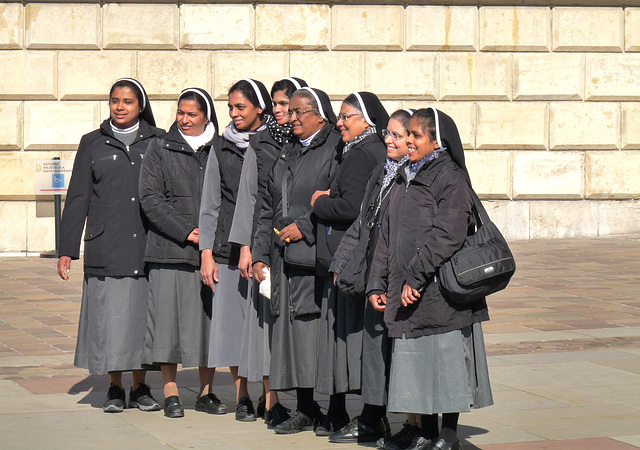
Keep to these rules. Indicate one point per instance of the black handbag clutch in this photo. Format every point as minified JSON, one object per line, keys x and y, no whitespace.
{"x":484,"y":265}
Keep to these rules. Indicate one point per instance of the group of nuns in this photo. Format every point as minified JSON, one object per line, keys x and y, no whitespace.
{"x":211,"y":248}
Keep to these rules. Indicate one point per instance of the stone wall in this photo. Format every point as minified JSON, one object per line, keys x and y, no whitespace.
{"x":547,"y":99}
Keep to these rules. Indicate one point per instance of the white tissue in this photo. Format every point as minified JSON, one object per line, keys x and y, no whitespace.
{"x":265,"y":285}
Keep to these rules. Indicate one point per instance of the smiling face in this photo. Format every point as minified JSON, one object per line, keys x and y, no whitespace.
{"x":245,"y":115}
{"x":396,"y":140}
{"x":190,"y":118}
{"x":124,"y":107}
{"x":280,"y":107}
{"x":305,"y":120}
{"x":351,"y":123}
{"x":419,"y":142}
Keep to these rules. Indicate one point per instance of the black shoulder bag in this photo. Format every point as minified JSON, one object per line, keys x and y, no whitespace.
{"x":484,"y":265}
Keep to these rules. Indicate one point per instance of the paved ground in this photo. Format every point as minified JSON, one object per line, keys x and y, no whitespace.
{"x":563,"y":344}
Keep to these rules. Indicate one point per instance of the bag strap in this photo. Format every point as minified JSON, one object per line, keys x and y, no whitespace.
{"x":478,"y":209}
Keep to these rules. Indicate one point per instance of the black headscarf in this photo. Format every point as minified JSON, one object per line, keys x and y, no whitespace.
{"x":210,"y":112}
{"x":372,"y":111}
{"x":264,"y":99}
{"x":448,"y":137}
{"x":146,"y":113}
{"x":324,"y":105}
{"x":299,"y":83}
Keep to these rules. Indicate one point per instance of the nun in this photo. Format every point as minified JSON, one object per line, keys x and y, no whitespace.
{"x":438,"y":360}
{"x":103,"y":191}
{"x":179,"y":308}
{"x":372,"y":424}
{"x":264,"y":148}
{"x":249,"y":108}
{"x":361,"y":121}
{"x":285,"y":242}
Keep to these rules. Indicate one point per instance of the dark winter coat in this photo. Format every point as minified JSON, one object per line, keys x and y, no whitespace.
{"x":104,"y":191}
{"x":170,"y":190}
{"x":337,"y":211}
{"x":261,"y":155}
{"x":426,"y":222}
{"x":372,"y":211}
{"x":219,"y":202}
{"x":307,"y":170}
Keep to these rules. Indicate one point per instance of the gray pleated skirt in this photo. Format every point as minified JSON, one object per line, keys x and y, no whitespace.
{"x":339,"y":342}
{"x":255,"y":350}
{"x":178,"y":316}
{"x":227,"y":317}
{"x":375,"y":357}
{"x":294,"y":341}
{"x":111,"y":324}
{"x":443,"y":373}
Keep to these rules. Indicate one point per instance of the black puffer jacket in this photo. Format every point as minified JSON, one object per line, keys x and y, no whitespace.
{"x":170,"y":190}
{"x":104,"y":191}
{"x":427,"y":221}
{"x":306,"y":169}
{"x":337,"y":211}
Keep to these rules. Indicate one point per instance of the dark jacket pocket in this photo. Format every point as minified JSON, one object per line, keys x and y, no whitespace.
{"x":93,"y":248}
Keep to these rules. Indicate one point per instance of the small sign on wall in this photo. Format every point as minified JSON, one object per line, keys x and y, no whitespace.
{"x":52,"y":176}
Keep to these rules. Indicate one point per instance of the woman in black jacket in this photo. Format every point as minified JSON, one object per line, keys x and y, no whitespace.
{"x":438,"y":362}
{"x":361,"y":121}
{"x":104,"y":191}
{"x":285,"y":242}
{"x":264,"y":148}
{"x":363,"y":236}
{"x":249,"y":107}
{"x":179,"y":310}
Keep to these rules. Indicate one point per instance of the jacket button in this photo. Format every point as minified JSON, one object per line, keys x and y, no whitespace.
{"x":133,"y":199}
{"x":132,"y":163}
{"x":135,"y":235}
{"x":135,"y":272}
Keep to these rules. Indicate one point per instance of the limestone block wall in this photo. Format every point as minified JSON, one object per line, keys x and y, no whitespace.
{"x":547,"y":99}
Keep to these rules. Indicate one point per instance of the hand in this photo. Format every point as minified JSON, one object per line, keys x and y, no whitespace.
{"x":317,"y":194}
{"x":335,"y":278}
{"x":378,"y":301}
{"x":290,"y":233}
{"x":409,"y":295}
{"x":246,"y":263}
{"x":64,"y":267}
{"x":258,"y":271}
{"x":209,"y":270}
{"x":194,"y":236}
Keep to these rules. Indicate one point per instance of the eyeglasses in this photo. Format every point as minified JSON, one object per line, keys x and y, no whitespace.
{"x":344,"y":117}
{"x":394,"y":136}
{"x":298,"y":113}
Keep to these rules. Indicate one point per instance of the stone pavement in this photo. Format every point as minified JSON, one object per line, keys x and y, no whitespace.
{"x":563,"y":345}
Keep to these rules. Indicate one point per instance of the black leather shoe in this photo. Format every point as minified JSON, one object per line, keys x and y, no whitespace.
{"x":210,"y":404}
{"x":245,"y":411}
{"x":296,"y":424}
{"x":261,"y":409}
{"x":440,"y":444}
{"x":173,"y":407}
{"x":331,"y":424}
{"x":358,"y":431}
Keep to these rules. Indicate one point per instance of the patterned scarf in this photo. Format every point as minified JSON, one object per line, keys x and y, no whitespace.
{"x":358,"y":138}
{"x":415,"y":166}
{"x":280,"y":133}
{"x":391,"y":170}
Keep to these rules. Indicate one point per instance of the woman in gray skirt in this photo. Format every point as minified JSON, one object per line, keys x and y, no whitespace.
{"x":179,"y":310}
{"x":264,"y":148}
{"x":438,"y":361}
{"x":249,"y":106}
{"x":103,"y":191}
